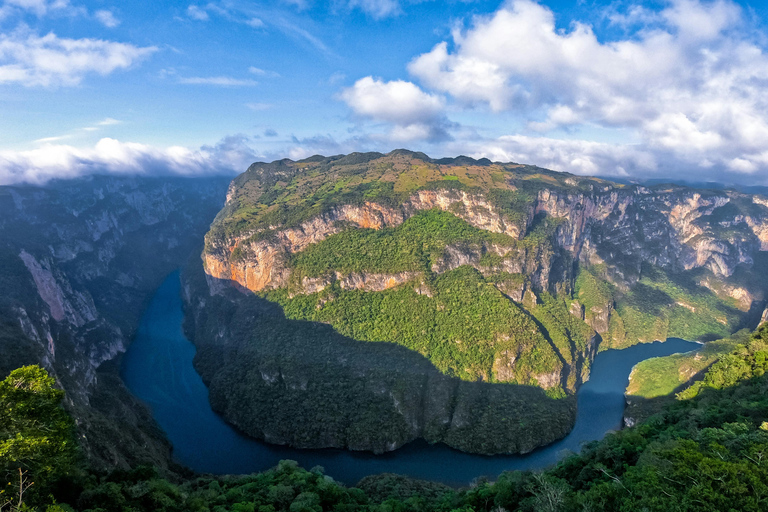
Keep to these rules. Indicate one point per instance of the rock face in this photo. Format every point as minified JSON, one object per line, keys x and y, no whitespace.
{"x":677,"y":229}
{"x":551,"y":226}
{"x":300,"y":383}
{"x":260,"y":263}
{"x":79,"y":260}
{"x":674,"y":228}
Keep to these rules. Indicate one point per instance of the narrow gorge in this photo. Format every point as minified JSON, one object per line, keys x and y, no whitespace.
{"x":79,"y":260}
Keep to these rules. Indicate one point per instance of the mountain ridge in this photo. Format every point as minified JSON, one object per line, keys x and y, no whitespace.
{"x":366,"y":243}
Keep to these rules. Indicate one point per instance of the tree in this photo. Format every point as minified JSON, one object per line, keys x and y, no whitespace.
{"x":36,"y":435}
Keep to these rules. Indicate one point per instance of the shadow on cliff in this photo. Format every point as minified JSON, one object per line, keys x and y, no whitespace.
{"x":303,"y":384}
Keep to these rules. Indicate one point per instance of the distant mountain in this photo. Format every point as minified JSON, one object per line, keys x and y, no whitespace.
{"x":492,"y":285}
{"x":79,"y":260}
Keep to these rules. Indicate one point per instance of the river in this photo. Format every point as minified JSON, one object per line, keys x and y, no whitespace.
{"x":158,"y":369}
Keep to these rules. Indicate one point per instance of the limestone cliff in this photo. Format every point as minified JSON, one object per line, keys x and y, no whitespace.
{"x":623,"y":226}
{"x":79,"y":259}
{"x":582,"y":263}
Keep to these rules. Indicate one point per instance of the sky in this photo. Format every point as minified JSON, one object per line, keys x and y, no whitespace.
{"x":673,"y":89}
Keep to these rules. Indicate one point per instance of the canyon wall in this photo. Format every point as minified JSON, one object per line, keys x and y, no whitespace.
{"x":79,"y":260}
{"x":644,"y":248}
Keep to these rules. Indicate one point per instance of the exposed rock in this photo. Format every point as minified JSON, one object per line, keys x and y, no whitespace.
{"x":577,"y":310}
{"x":260,"y":263}
{"x":548,"y":380}
{"x":504,"y":366}
{"x":80,"y":258}
{"x":65,"y":305}
{"x":598,"y":317}
{"x":373,"y":282}
{"x":529,"y":299}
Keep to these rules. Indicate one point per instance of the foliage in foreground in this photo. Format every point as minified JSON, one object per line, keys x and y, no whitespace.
{"x":37,"y":444}
{"x":707,"y":452}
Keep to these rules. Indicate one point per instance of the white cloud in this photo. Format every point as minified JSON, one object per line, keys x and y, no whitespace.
{"x":197,"y":13}
{"x":414,"y":113}
{"x":108,"y":121}
{"x":31,"y":60}
{"x":689,"y":80}
{"x":109,"y":156}
{"x":636,"y":14}
{"x":300,"y":4}
{"x":39,"y":7}
{"x":106,"y":18}
{"x":223,"y":81}
{"x":575,"y":156}
{"x":377,"y":9}
{"x":255,"y":23}
{"x":52,"y":139}
{"x":397,"y":101}
{"x":335,"y":78}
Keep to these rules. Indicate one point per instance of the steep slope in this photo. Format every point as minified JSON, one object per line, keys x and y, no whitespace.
{"x":78,"y":262}
{"x":499,"y":273}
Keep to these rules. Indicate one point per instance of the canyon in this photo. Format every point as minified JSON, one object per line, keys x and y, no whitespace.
{"x":367,"y":300}
{"x":587,"y":264}
{"x":79,"y":260}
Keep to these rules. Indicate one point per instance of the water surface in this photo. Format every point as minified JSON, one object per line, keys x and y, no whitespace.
{"x":158,"y":369}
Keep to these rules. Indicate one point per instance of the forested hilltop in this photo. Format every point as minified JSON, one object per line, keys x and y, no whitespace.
{"x":705,"y":451}
{"x":493,"y":285}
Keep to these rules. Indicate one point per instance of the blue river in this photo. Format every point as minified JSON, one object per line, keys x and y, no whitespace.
{"x":158,"y":369}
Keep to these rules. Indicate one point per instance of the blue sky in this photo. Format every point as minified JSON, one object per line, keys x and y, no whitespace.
{"x":648,"y":89}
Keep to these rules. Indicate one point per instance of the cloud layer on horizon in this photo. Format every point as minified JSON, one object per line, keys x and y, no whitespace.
{"x":49,"y":161}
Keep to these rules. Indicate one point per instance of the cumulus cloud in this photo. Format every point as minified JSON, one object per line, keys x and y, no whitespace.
{"x":610,"y":160}
{"x":413,"y":113}
{"x":575,"y":156}
{"x":688,"y":79}
{"x":31,"y":60}
{"x":110,"y":156}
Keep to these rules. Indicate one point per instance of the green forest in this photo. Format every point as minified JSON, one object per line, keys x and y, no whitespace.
{"x":416,"y":244}
{"x":460,"y":328}
{"x":705,"y":451}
